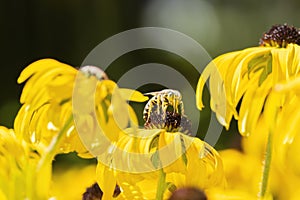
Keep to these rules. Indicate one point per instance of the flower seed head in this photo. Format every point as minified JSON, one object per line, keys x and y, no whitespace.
{"x":280,"y":36}
{"x":92,"y":193}
{"x":189,"y":193}
{"x":95,"y":193}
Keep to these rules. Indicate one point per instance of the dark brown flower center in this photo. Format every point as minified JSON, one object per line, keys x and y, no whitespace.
{"x":280,"y":36}
{"x":188,"y":193}
{"x":95,"y":193}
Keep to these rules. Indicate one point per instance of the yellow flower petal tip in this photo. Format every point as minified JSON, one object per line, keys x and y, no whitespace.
{"x":133,"y":95}
{"x":40,"y":65}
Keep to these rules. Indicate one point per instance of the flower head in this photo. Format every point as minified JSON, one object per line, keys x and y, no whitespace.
{"x":151,"y":163}
{"x":241,"y":81}
{"x":56,"y":92}
{"x":188,"y":193}
{"x":185,"y":161}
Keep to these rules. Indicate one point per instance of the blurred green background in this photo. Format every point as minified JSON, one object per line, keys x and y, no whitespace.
{"x":67,"y":30}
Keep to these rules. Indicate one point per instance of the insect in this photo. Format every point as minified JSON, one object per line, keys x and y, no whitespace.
{"x":160,"y":102}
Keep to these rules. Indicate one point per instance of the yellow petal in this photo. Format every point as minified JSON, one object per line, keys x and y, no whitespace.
{"x":132,"y":95}
{"x":41,"y":65}
{"x":238,"y":72}
{"x":41,"y":73}
{"x":286,"y":86}
{"x":171,"y":149}
{"x":106,"y":180}
{"x":251,"y":107}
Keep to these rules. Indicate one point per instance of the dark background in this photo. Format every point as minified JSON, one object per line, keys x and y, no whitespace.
{"x":67,"y":30}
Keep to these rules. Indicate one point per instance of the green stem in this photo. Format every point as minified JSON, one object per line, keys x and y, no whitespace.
{"x":53,"y":146}
{"x":161,"y":186}
{"x":42,"y":177}
{"x":266,"y":167}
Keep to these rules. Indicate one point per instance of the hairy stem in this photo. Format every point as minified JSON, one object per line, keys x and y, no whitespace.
{"x":266,"y":167}
{"x":161,"y":186}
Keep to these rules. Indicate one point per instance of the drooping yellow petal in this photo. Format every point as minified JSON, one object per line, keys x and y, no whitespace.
{"x":173,"y":156}
{"x":220,"y":97}
{"x":106,"y":180}
{"x":41,"y":73}
{"x":248,"y":113}
{"x":38,"y":66}
{"x":215,"y":72}
{"x":133,"y":95}
{"x":240,"y":76}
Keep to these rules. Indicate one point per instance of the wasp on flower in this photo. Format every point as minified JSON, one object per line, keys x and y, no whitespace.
{"x":160,"y":157}
{"x":161,"y":100}
{"x":166,"y":110}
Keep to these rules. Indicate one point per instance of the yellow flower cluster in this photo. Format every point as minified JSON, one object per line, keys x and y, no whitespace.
{"x":68,"y":110}
{"x":65,"y":110}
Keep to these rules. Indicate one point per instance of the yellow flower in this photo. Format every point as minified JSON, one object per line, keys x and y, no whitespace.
{"x":21,"y":176}
{"x":184,"y":161}
{"x":245,"y":85}
{"x":150,"y":163}
{"x":241,"y":81}
{"x":58,"y":97}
